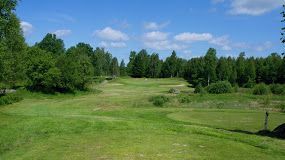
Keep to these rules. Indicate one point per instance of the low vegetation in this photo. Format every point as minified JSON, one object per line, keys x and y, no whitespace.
{"x":261,"y":89}
{"x":220,"y":87}
{"x":159,"y":100}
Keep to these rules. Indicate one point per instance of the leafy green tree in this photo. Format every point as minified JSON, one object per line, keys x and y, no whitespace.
{"x":12,"y":46}
{"x":210,"y":65}
{"x":77,"y":70}
{"x":85,"y":48}
{"x":52,"y":44}
{"x":101,"y":61}
{"x":115,"y":70}
{"x":98,"y":60}
{"x":41,"y":70}
{"x":6,"y":12}
{"x":123,"y":69}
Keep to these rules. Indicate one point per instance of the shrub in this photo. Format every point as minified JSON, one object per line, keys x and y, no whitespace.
{"x":199,"y":89}
{"x":220,"y":87}
{"x":277,"y":89}
{"x":261,"y":89}
{"x":159,"y":100}
{"x":281,"y":107}
{"x":10,"y":98}
{"x":184,"y":99}
{"x":174,"y":91}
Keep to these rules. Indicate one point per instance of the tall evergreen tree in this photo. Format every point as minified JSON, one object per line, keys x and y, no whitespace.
{"x":131,"y":63}
{"x":115,"y":70}
{"x":123,"y":69}
{"x":240,"y":67}
{"x":140,"y":64}
{"x":224,"y":69}
{"x":154,"y":67}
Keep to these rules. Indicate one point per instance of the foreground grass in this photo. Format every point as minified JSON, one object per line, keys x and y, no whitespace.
{"x":120,"y":123}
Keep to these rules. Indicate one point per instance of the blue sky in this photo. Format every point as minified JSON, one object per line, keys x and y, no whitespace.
{"x":189,"y":27}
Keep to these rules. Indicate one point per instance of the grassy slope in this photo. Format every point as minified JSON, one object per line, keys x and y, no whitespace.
{"x":120,"y":123}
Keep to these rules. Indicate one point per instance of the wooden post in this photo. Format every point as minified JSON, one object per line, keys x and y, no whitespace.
{"x":266,"y":120}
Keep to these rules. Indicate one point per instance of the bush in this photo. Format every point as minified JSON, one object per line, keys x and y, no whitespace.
{"x":184,"y":99}
{"x":10,"y":98}
{"x":174,"y":91}
{"x":199,"y":89}
{"x":159,"y":100}
{"x":277,"y":89}
{"x":281,"y":107}
{"x":261,"y":89}
{"x":220,"y":87}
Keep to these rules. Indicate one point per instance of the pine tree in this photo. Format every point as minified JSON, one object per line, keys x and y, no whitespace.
{"x":123,"y":69}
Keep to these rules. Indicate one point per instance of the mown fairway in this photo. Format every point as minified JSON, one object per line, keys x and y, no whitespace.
{"x":120,"y":123}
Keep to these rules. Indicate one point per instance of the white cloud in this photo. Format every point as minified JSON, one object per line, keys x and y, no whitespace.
{"x":192,"y":37}
{"x":258,"y":47}
{"x":62,"y":32}
{"x":155,"y":26}
{"x":118,"y":44}
{"x":159,"y":41}
{"x":155,"y":36}
{"x":187,"y":37}
{"x":105,"y":44}
{"x":26,"y":27}
{"x":222,"y":41}
{"x":254,"y":7}
{"x":111,"y":34}
{"x":164,"y":45}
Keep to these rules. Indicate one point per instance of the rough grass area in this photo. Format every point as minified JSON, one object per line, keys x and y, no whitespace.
{"x":120,"y":123}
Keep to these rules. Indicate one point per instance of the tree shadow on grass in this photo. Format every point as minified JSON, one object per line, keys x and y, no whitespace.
{"x":278,"y":132}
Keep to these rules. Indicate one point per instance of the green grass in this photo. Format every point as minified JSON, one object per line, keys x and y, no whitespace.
{"x":120,"y":123}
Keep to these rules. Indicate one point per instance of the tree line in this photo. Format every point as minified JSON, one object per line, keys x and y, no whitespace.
{"x":242,"y":70}
{"x":49,"y":67}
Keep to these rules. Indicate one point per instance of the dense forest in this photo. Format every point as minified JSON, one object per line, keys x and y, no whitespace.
{"x":49,"y":67}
